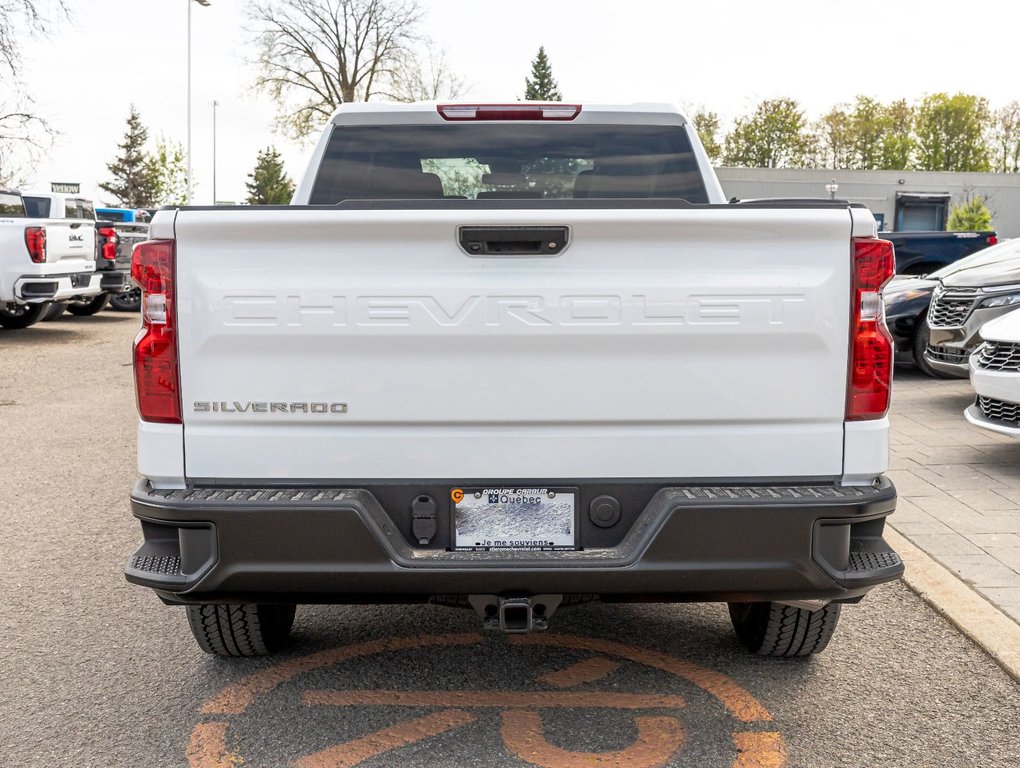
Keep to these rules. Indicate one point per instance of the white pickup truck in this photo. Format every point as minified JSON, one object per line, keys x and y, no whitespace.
{"x":113,"y":257}
{"x":513,"y":358}
{"x":42,"y":260}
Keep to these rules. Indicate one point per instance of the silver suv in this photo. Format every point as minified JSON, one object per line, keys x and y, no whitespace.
{"x":967,"y":299}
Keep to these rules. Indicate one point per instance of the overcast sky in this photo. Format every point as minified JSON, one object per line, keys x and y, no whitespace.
{"x":725,"y":56}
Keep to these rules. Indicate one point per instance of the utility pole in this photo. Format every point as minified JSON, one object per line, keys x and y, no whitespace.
{"x":204,"y":3}
{"x":214,"y":105}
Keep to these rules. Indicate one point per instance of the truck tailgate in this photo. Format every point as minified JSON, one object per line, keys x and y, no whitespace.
{"x":70,"y":246}
{"x":367,"y":344}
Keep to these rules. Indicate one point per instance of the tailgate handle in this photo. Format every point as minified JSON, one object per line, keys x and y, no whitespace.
{"x":513,"y":241}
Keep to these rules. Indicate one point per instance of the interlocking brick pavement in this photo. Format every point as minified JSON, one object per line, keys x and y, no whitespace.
{"x":959,"y":486}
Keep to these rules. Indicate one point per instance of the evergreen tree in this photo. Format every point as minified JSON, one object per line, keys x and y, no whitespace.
{"x":135,"y":181}
{"x":268,"y":184}
{"x":541,"y":86}
{"x":971,"y":215}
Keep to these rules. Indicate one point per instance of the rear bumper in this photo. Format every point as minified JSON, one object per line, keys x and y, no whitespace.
{"x":36,"y":288}
{"x":114,"y":281}
{"x":335,"y":545}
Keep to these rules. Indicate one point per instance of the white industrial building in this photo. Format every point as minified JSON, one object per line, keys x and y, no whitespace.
{"x":901,"y":200}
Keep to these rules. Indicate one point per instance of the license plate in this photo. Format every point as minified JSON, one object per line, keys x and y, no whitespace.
{"x":514,"y":518}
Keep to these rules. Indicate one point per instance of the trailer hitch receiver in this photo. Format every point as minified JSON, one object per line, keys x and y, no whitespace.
{"x":515,"y":615}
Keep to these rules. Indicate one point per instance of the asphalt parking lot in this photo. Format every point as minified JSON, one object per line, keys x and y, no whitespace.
{"x":99,"y":673}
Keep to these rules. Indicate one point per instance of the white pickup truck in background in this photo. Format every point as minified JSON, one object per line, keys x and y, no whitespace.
{"x":513,"y":357}
{"x":43,"y":260}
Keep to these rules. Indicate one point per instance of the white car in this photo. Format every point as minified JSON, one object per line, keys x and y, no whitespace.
{"x":995,"y":375}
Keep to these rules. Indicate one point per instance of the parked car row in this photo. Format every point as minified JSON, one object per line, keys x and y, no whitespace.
{"x":964,"y":320}
{"x":56,"y":254}
{"x":935,"y":319}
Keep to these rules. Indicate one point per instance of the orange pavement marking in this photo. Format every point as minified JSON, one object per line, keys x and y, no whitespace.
{"x":582,"y":672}
{"x":208,"y":747}
{"x":759,"y":750}
{"x":352,"y":753}
{"x":235,"y":698}
{"x":735,"y":699}
{"x":496,"y":699}
{"x":658,"y":740}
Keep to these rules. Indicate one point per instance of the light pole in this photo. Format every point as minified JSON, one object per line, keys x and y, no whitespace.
{"x":214,"y":105}
{"x":204,"y":3}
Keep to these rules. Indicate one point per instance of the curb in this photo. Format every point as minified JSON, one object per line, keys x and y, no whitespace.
{"x":993,"y":631}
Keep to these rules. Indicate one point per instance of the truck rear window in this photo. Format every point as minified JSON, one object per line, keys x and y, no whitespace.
{"x":37,"y":207}
{"x":522,"y":161}
{"x":79,"y":209}
{"x":11,"y":206}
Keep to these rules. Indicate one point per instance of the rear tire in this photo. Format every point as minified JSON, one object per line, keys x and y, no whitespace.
{"x":129,"y":301}
{"x":88,"y":307}
{"x":54,"y":310}
{"x":921,"y":330}
{"x":22,"y":316}
{"x":773,"y":629}
{"x":241,"y":629}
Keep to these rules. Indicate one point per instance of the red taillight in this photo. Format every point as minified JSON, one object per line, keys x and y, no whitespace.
{"x":35,"y":241}
{"x":554,"y":111}
{"x":157,"y":378}
{"x":871,"y":346}
{"x":109,"y":249}
{"x":992,"y":240}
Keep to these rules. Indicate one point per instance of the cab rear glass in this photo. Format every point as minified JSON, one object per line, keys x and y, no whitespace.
{"x":11,"y":206}
{"x":79,"y":209}
{"x":37,"y":207}
{"x":518,"y":161}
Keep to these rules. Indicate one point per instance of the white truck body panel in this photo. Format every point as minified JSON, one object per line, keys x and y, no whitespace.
{"x":660,"y":343}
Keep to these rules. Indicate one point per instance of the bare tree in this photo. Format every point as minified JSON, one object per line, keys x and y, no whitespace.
{"x":15,"y":16}
{"x":1005,"y":138}
{"x":420,"y":78}
{"x":23,"y":134}
{"x":314,"y":55}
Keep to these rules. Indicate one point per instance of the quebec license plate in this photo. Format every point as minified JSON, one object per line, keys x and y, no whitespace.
{"x":486,"y":519}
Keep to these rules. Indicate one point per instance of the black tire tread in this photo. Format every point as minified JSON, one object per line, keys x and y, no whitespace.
{"x":240,"y":630}
{"x":54,"y":311}
{"x":28,"y":316}
{"x":88,"y":307}
{"x":777,"y":630}
{"x":131,"y":303}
